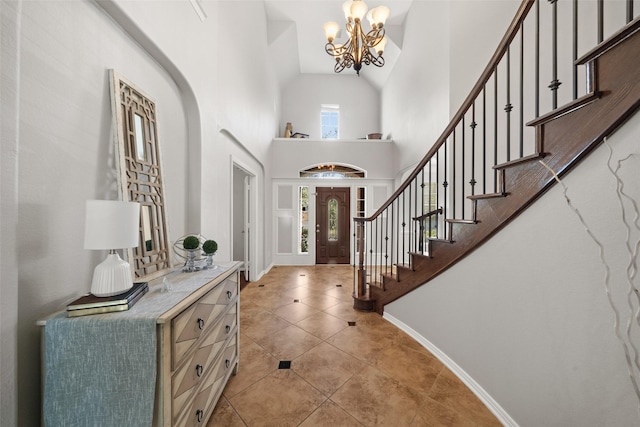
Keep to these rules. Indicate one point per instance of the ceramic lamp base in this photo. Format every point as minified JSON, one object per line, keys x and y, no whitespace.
{"x":111,"y":277}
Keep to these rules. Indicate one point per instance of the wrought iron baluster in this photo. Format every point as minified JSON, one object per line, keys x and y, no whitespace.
{"x":508,"y":106}
{"x":388,"y":262}
{"x":415,"y":214}
{"x":453,"y":175}
{"x":404,"y":224}
{"x":429,"y":200}
{"x":495,"y":129}
{"x":373,"y":245}
{"x":521,"y":115}
{"x":537,"y":63}
{"x":484,"y":139}
{"x":473,"y":126}
{"x":462,"y":167}
{"x":555,"y":83}
{"x":445,"y":183}
{"x":600,"y":17}
{"x":437,"y":186}
{"x":575,"y":49}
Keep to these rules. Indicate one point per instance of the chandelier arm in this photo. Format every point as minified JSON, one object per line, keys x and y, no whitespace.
{"x":374,"y":36}
{"x":378,"y":61}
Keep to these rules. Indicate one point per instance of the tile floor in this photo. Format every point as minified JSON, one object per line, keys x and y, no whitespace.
{"x":347,"y":368}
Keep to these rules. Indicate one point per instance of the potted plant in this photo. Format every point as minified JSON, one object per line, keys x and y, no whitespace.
{"x":191,"y":245}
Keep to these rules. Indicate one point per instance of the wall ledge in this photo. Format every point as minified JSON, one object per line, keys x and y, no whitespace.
{"x":332,"y":141}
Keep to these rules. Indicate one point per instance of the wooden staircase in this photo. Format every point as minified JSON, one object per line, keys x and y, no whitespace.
{"x":562,"y":139}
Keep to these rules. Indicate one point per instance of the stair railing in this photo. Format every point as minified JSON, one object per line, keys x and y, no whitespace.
{"x":489,"y":129}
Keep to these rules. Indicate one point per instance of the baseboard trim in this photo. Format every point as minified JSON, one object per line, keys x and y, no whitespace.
{"x":491,"y":404}
{"x":263,"y":272}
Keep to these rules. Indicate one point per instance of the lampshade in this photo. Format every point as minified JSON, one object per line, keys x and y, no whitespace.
{"x":331,"y":30}
{"x":346,"y":8}
{"x":358,"y":9}
{"x":111,"y":225}
{"x":380,"y":46}
{"x":380,"y":14}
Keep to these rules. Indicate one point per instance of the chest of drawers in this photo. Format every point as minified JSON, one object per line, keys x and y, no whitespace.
{"x":195,"y":341}
{"x":198,"y":350}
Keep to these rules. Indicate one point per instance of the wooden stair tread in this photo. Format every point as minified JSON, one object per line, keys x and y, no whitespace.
{"x":434,"y":240}
{"x":566,"y":109}
{"x":461,"y":221}
{"x":488,"y":196}
{"x":526,"y":159}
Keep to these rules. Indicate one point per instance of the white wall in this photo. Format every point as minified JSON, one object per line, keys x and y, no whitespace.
{"x":9,"y":131}
{"x":60,"y":151}
{"x":527,"y":316}
{"x":290,"y":156}
{"x":359,"y":104}
{"x":475,"y":29}
{"x":66,"y":156}
{"x":415,"y":99}
{"x":234,"y":92}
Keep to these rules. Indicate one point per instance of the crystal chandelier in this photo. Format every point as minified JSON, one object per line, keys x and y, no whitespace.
{"x":361,"y":48}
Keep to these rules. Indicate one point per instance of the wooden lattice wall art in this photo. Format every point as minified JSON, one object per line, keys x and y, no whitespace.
{"x":140,"y":174}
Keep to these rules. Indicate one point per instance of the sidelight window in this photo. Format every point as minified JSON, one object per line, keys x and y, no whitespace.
{"x":303,"y":210}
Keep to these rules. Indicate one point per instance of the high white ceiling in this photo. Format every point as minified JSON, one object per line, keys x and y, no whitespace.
{"x":297,"y":41}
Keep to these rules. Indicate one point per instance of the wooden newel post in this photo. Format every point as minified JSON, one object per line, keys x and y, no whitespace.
{"x":362,"y":279}
{"x":361,"y":298}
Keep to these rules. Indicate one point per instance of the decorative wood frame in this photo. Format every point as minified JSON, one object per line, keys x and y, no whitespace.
{"x":140,"y":174}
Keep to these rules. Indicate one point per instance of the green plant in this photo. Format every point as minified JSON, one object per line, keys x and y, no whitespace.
{"x":190,"y":242}
{"x":210,"y":247}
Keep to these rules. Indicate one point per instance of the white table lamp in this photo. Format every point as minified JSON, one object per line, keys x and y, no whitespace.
{"x":111,"y":225}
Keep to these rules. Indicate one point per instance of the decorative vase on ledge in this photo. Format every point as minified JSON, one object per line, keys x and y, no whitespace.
{"x":210,"y":248}
{"x":209,"y":261}
{"x":190,"y":265}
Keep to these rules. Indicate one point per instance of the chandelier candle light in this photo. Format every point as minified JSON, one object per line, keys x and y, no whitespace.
{"x":361,"y":48}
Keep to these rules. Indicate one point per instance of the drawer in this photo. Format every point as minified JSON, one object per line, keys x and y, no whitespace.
{"x":199,"y":318}
{"x":201,"y":365}
{"x":185,"y":380}
{"x":197,"y":413}
{"x":211,"y":388}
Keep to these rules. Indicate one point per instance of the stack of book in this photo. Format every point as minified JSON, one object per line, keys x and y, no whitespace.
{"x":91,"y":304}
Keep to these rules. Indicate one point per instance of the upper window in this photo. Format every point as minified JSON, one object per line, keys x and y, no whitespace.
{"x":330,"y":121}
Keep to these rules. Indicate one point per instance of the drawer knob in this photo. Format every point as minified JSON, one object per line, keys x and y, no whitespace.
{"x":199,"y":370}
{"x":199,"y":415}
{"x":227,"y":329}
{"x":200,"y":323}
{"x":227,"y":363}
{"x":229,"y":294}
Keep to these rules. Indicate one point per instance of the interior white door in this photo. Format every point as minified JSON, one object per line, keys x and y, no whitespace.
{"x":247,"y":226}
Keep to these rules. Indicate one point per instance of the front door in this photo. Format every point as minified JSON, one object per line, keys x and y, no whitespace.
{"x":332,"y":225}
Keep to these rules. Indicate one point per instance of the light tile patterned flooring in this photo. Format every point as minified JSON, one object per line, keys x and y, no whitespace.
{"x":365,"y":374}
